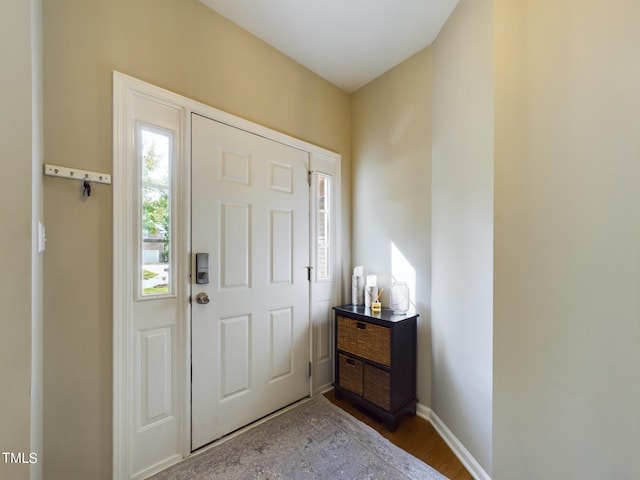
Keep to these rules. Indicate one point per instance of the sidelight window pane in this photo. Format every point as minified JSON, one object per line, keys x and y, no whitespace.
{"x":323,"y":228}
{"x":155,"y":161}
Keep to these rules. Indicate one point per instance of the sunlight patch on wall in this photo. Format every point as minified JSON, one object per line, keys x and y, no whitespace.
{"x":403,"y":271}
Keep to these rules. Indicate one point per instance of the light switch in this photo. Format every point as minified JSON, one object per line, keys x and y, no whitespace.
{"x":42,"y":238}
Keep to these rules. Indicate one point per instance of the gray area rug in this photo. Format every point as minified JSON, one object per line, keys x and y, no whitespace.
{"x":314,"y":440}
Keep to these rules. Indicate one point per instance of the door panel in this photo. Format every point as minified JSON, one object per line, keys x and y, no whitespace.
{"x":250,"y":343}
{"x":155,"y":313}
{"x":156,"y":379}
{"x":235,"y":242}
{"x":281,"y":252}
{"x":235,"y":355}
{"x":281,"y":336}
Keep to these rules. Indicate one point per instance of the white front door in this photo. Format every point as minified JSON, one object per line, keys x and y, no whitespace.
{"x":250,"y":214}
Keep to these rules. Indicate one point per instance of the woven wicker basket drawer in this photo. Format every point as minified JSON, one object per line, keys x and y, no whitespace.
{"x":377,"y":386}
{"x":366,"y":340}
{"x":351,"y":338}
{"x":351,"y":377}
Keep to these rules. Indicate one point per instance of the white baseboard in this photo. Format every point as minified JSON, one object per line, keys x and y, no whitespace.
{"x":323,"y":389}
{"x":423,"y":412}
{"x":157,"y":468}
{"x":459,"y":450}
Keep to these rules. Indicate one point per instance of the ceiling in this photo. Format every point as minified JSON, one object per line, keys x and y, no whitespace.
{"x":347,"y":42}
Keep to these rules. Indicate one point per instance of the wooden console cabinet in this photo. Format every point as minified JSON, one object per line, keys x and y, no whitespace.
{"x":375,"y":361}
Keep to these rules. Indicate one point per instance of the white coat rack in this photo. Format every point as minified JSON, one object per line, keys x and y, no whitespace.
{"x":77,"y":174}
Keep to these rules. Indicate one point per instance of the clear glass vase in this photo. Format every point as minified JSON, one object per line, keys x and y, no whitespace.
{"x":399,"y":298}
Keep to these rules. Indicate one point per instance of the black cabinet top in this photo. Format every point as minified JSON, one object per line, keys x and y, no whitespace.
{"x":386,"y":314}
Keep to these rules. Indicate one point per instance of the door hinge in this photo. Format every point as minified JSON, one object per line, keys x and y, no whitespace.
{"x":309,"y":176}
{"x":309,"y":268}
{"x":309,"y":369}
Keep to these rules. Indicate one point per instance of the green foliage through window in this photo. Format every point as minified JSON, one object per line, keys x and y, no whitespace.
{"x":155,"y":151}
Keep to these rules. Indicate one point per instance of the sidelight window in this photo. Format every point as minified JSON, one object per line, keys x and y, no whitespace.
{"x":155,"y":151}
{"x":323,"y":227}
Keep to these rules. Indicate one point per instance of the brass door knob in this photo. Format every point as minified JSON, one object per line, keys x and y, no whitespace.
{"x":202,"y":298}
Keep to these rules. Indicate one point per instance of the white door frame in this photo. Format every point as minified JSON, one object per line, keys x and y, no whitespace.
{"x":322,"y":161}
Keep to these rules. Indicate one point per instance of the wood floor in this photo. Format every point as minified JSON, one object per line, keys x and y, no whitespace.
{"x":416,"y":436}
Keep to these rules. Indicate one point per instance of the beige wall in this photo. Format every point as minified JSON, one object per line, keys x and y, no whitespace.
{"x":567,"y":240}
{"x":184,"y":47}
{"x":566,"y":226}
{"x":15,"y":241}
{"x":391,"y":193}
{"x":564,"y":146}
{"x":20,"y":190}
{"x":462,"y":231}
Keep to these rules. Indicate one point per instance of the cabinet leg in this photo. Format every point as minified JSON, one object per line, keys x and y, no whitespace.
{"x":392,"y":425}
